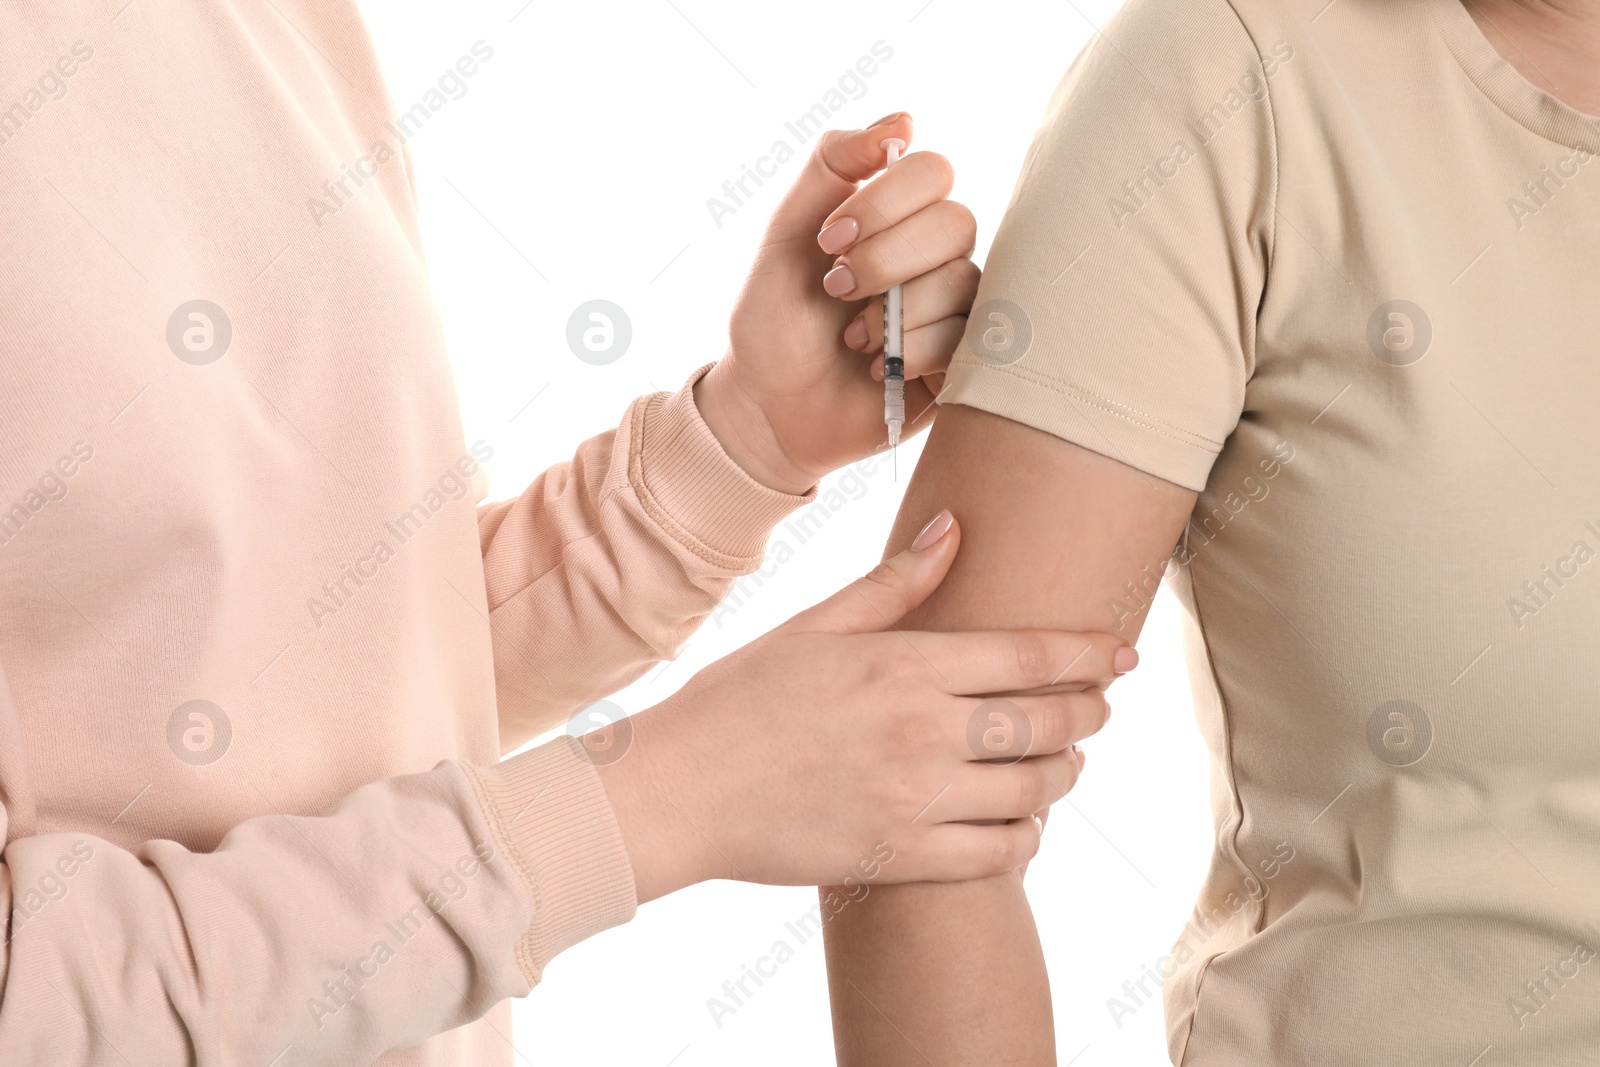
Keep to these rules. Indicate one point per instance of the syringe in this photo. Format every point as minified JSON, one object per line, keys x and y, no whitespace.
{"x":894,"y":339}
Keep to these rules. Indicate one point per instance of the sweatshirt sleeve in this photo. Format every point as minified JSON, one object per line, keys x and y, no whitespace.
{"x":408,"y":910}
{"x":609,"y":562}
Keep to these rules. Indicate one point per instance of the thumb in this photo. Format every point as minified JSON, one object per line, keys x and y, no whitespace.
{"x":895,"y":586}
{"x":841,"y":159}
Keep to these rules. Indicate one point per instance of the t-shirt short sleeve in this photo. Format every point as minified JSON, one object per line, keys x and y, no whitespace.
{"x":1117,"y":308}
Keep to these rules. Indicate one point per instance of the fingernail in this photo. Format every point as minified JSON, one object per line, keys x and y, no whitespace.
{"x":886,"y":119}
{"x":937,"y":528}
{"x":1127,"y":659}
{"x":840,"y":280}
{"x":838,"y":235}
{"x":855,"y":335}
{"x":1078,"y":752}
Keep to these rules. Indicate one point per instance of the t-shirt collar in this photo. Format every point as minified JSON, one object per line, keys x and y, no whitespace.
{"x":1505,"y":86}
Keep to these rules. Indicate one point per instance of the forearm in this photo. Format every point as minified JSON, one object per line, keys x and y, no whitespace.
{"x":958,"y":968}
{"x":949,"y":973}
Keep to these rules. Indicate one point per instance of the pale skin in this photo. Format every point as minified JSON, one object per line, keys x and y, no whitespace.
{"x":794,"y":398}
{"x":842,"y":736}
{"x":954,"y":974}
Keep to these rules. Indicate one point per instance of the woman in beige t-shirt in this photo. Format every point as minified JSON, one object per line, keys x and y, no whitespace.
{"x":1298,"y":302}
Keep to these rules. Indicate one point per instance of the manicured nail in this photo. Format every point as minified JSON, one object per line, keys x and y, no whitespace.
{"x":855,"y":335}
{"x":838,"y":235}
{"x":1078,"y":752}
{"x":840,"y":281}
{"x":887,"y":119}
{"x":1127,"y":659}
{"x":937,"y":528}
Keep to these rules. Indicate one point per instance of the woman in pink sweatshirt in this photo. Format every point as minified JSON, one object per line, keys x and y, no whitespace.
{"x":262,"y":654}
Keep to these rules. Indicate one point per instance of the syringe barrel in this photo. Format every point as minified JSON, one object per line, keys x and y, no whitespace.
{"x":894,"y":366}
{"x":894,"y":400}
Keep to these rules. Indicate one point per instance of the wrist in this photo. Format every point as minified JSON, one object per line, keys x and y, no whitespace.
{"x":649,"y":803}
{"x":743,"y":429}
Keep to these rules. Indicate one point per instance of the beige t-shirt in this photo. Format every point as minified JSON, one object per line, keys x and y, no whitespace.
{"x":1335,"y":267}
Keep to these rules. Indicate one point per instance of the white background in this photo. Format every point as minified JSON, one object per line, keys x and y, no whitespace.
{"x":577,"y":166}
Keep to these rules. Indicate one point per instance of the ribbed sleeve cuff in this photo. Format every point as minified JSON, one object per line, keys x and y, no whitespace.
{"x":554,"y":820}
{"x":694,"y":489}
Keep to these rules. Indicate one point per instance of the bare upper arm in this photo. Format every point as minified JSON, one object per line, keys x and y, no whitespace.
{"x":1049,"y":533}
{"x":1050,"y":530}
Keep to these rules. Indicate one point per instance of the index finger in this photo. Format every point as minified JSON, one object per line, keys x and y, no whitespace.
{"x":1010,"y":661}
{"x":918,"y":181}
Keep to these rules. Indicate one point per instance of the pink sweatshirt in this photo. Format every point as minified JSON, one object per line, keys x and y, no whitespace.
{"x":261,"y":653}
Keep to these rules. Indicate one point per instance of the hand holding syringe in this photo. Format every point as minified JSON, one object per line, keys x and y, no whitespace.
{"x":800,"y":391}
{"x":895,"y":315}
